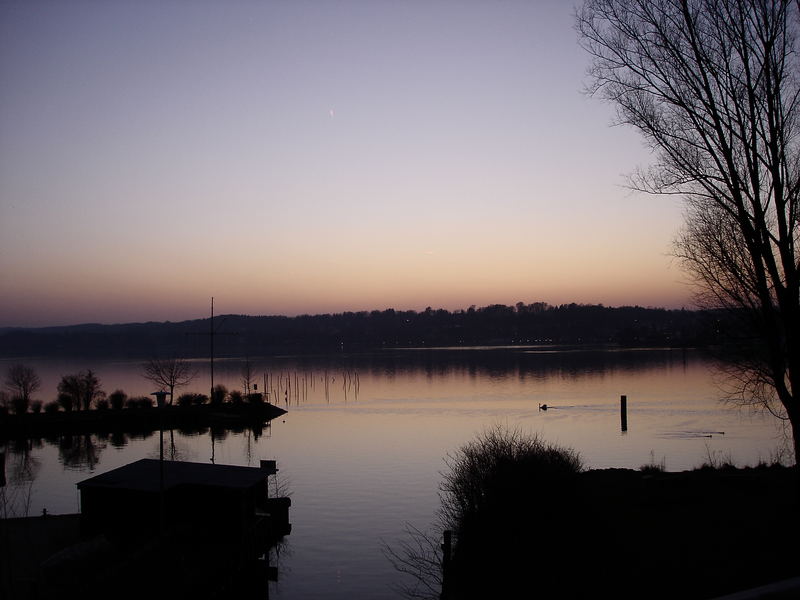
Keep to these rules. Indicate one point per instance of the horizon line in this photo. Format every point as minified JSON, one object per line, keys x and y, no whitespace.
{"x":344,"y":312}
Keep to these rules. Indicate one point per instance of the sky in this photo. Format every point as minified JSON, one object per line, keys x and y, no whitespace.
{"x":313,"y":156}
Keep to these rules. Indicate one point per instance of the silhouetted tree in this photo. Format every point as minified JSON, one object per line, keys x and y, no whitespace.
{"x":117,"y":399}
{"x":713,"y":87}
{"x":65,"y":400}
{"x":20,"y":404}
{"x":218,"y":394}
{"x":92,"y":391}
{"x":168,"y":373}
{"x":80,"y":390}
{"x":22,"y":381}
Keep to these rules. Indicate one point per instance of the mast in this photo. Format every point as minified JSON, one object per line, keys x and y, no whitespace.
{"x":211,"y":337}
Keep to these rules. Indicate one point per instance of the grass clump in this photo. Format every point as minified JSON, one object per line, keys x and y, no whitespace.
{"x":653,"y":467}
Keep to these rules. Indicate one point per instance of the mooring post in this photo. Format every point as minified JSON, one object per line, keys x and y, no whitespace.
{"x":623,"y":412}
{"x":447,"y":548}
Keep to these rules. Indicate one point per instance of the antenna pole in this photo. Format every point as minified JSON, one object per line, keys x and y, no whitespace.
{"x":211,"y":337}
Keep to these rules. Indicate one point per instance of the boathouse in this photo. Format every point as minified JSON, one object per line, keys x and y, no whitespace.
{"x":193,"y":500}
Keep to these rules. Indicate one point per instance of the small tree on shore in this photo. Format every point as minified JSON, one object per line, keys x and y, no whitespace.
{"x":218,"y":394}
{"x":117,"y":399}
{"x":20,"y":404}
{"x":248,"y":377}
{"x":168,"y":373}
{"x":92,"y":390}
{"x":22,"y":381}
{"x":80,"y":390}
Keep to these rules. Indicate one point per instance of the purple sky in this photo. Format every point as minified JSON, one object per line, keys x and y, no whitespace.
{"x":292,"y":157}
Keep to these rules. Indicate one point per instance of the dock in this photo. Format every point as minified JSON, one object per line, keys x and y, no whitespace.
{"x":151,"y":529}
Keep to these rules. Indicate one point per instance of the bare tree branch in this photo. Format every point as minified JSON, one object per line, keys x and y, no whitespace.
{"x":714,"y":88}
{"x":168,"y":373}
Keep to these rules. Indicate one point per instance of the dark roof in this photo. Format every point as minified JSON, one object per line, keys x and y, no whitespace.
{"x":144,"y":475}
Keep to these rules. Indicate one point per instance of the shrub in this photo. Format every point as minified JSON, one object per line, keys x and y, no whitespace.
{"x":52,"y":407}
{"x":519,"y":497}
{"x":36,"y":407}
{"x":236,"y":397}
{"x":117,"y":399}
{"x":192,"y":399}
{"x":716,"y":461}
{"x":502,"y":466}
{"x":218,"y":394}
{"x":19,"y":404}
{"x":66,"y":401}
{"x":101,"y":404}
{"x":185,"y":400}
{"x":653,"y":467}
{"x":256,"y":398}
{"x":140,"y":402}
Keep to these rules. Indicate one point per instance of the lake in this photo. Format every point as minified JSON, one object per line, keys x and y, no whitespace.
{"x":366,"y":438}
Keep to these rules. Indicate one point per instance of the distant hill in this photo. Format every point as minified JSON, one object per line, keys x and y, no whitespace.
{"x":497,"y":324}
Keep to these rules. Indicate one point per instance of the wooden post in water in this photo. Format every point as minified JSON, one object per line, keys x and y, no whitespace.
{"x":623,"y":412}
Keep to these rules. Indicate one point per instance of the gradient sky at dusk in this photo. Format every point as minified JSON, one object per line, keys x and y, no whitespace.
{"x":303,"y":157}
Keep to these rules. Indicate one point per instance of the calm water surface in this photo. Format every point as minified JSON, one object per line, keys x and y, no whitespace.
{"x":363,"y":445}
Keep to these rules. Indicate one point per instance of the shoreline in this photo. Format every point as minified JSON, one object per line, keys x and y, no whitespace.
{"x":136,"y":419}
{"x":631,"y":533}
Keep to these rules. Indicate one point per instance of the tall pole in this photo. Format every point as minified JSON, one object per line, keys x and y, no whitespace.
{"x":161,"y":507}
{"x":211,"y":337}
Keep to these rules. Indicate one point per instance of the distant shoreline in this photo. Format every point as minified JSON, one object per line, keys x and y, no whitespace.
{"x":495,"y":325}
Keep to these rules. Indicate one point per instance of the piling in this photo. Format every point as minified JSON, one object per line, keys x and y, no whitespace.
{"x":623,"y":413}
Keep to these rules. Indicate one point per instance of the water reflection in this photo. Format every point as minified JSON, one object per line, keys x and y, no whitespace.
{"x":341,"y":376}
{"x":23,"y":466}
{"x":81,"y":452}
{"x":365,"y":437}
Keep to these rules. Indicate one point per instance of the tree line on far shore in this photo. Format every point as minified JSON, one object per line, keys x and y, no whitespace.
{"x":496,"y":324}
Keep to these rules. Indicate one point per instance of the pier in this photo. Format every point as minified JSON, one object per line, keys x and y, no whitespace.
{"x":152,"y":528}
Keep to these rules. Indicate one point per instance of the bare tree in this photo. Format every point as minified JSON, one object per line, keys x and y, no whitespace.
{"x":92,"y":389}
{"x":248,"y":377}
{"x":168,"y":373}
{"x":713,"y":87}
{"x":419,"y":558}
{"x":21,"y":380}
